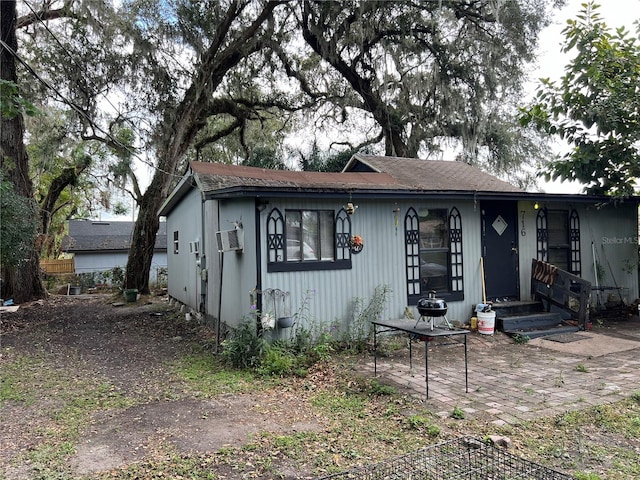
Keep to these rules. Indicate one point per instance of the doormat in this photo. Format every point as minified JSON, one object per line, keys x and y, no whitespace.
{"x":565,"y":337}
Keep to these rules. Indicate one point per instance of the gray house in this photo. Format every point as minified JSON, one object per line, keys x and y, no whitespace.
{"x":99,"y":246}
{"x":328,"y":240}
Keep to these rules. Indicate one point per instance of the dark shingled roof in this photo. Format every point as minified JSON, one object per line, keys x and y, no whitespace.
{"x":93,"y":236}
{"x":218,"y":176}
{"x":363,"y":172}
{"x":433,"y":175}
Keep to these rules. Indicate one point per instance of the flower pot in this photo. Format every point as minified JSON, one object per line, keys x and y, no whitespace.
{"x":285,"y":322}
{"x":131,"y":295}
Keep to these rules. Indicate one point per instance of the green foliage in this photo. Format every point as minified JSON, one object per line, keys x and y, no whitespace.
{"x":244,"y":349}
{"x":423,"y":422}
{"x":457,"y":413}
{"x":277,"y":361}
{"x":18,"y":225}
{"x":594,"y":107}
{"x":12,"y":103}
{"x":586,"y":476}
{"x":581,"y":368}
{"x":317,"y":161}
{"x":521,"y":339}
{"x":377,"y":388}
{"x":359,"y":327}
{"x":265,"y":157}
{"x":208,"y":376}
{"x":455,"y":76}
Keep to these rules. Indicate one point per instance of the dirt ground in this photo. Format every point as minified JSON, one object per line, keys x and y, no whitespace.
{"x":129,"y":347}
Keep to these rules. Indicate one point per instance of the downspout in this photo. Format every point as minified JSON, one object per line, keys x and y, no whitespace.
{"x":221,"y":264}
{"x":258,"y":236}
{"x":204,"y":273}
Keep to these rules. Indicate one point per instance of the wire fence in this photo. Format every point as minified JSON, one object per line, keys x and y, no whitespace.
{"x":465,"y":458}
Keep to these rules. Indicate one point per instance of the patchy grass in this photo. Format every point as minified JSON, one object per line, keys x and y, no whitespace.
{"x":364,"y":420}
{"x":207,"y":377}
{"x":361,"y":420}
{"x":65,"y":399}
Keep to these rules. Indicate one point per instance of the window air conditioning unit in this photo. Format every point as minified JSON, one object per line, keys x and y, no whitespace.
{"x":229,"y":240}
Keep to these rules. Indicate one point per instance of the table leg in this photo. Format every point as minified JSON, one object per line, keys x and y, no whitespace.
{"x":375,"y":351}
{"x":466,"y":368}
{"x":426,"y":365}
{"x":410,"y":354}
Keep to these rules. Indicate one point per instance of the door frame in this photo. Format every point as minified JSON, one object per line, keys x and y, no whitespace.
{"x":510,"y":209}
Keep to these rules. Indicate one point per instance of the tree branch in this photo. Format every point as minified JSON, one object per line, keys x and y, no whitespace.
{"x":45,"y":14}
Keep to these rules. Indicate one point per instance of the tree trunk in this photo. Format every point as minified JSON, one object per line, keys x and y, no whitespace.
{"x":23,"y":282}
{"x":178,"y":133}
{"x":143,"y":240}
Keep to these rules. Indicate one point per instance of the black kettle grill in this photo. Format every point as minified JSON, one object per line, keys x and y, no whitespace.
{"x":431,"y":307}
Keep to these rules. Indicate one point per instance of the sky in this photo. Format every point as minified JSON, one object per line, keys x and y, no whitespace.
{"x":551,"y":61}
{"x":615,"y":13}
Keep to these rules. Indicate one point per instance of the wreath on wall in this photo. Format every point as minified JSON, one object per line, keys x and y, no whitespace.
{"x":356,"y":244}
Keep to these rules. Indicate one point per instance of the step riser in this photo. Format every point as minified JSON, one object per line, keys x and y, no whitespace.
{"x":542,"y":332}
{"x":507,"y":310}
{"x":529,"y":321}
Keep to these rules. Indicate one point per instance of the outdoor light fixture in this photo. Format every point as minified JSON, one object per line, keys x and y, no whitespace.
{"x":536,"y":206}
{"x":351,"y":208}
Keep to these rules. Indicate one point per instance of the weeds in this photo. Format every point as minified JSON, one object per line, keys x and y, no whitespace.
{"x":311,"y":341}
{"x":358,"y":330}
{"x":457,"y":413}
{"x":521,"y":339}
{"x":244,"y":349}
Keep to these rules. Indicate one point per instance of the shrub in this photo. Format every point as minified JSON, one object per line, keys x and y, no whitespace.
{"x":244,"y":348}
{"x":277,"y":361}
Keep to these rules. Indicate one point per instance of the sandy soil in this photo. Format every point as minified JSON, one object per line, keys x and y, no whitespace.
{"x":131,"y":348}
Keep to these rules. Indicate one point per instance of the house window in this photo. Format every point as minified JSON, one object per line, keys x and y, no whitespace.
{"x":558,"y":239}
{"x":175,"y":242}
{"x":308,"y":240}
{"x":433,"y":242}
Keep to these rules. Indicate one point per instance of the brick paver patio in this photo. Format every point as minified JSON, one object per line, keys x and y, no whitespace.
{"x":510,"y":383}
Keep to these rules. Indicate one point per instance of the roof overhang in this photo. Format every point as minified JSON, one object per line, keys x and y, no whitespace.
{"x":244,"y":192}
{"x":186,"y":183}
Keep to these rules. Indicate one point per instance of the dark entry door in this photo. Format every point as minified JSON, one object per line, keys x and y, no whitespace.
{"x":500,"y":250}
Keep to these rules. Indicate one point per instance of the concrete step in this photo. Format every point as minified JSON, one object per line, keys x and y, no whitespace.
{"x":542,"y":332}
{"x":504,"y":309}
{"x":530,"y":321}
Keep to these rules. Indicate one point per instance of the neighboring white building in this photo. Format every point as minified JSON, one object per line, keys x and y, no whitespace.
{"x":100,"y":246}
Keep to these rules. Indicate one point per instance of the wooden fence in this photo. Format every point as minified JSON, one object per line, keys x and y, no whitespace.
{"x":56,"y":267}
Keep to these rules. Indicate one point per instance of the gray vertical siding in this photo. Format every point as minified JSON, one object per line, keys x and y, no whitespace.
{"x":612,"y":229}
{"x":239,"y":276}
{"x":330,"y":295}
{"x":183,"y":273}
{"x":212,"y":258}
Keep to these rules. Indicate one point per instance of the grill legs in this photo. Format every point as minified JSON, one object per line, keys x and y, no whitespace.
{"x":431,"y":320}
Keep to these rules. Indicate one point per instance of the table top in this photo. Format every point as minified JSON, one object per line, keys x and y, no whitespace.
{"x":422,"y":328}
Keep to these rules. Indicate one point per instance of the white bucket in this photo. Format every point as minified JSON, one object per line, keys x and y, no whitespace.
{"x":486,"y":322}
